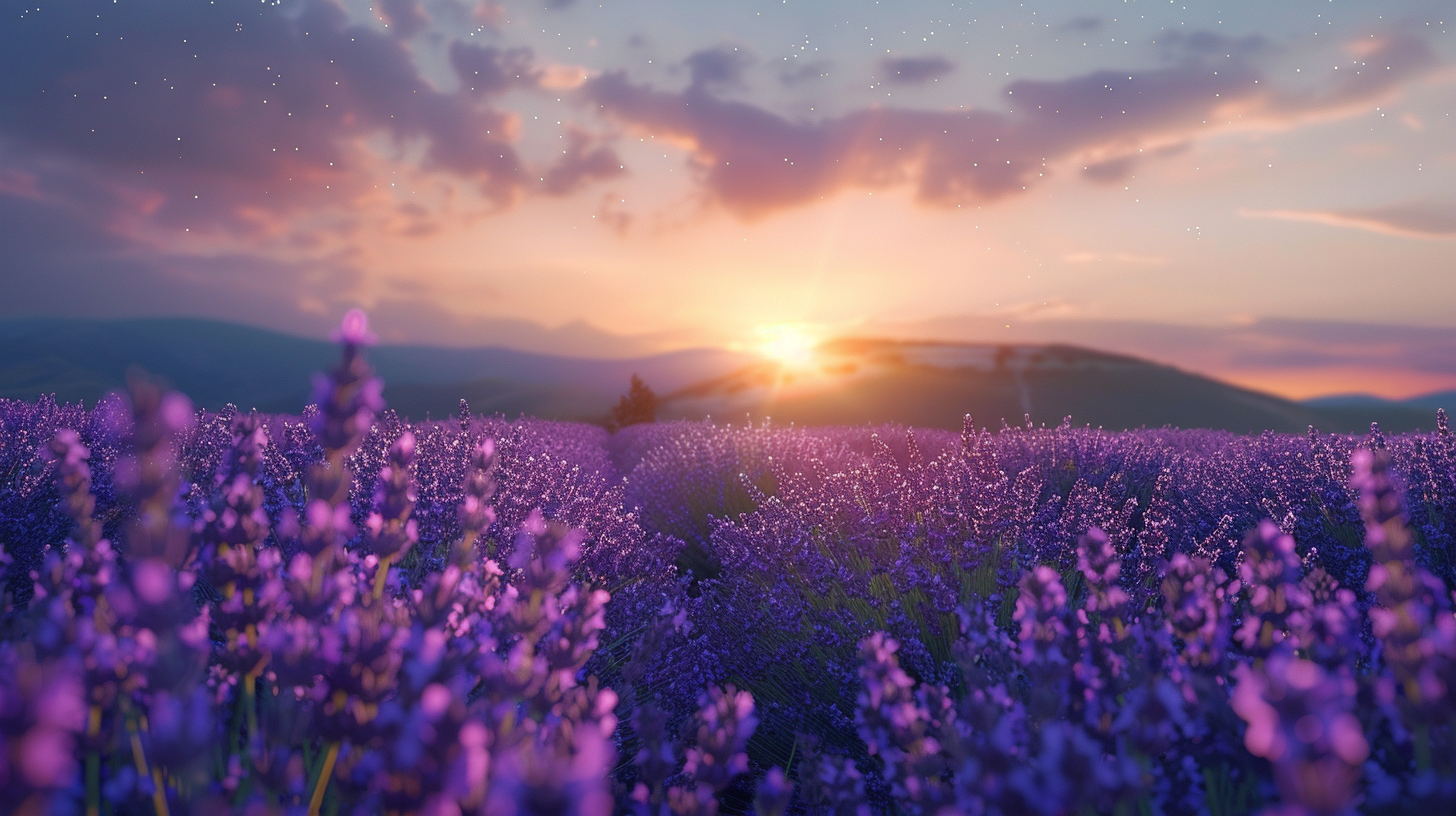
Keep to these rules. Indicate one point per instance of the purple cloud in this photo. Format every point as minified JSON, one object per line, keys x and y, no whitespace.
{"x":805,"y":71}
{"x":584,"y":160}
{"x":720,"y":67}
{"x":406,"y":18}
{"x":754,"y":161}
{"x":219,"y":113}
{"x":915,"y":70}
{"x":1083,"y":23}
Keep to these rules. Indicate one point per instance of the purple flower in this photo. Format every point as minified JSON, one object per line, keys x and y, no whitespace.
{"x":42,"y":711}
{"x":540,"y":776}
{"x":725,"y":722}
{"x":390,"y":529}
{"x":774,"y":794}
{"x":1196,"y":610}
{"x":1270,"y":570}
{"x":1299,"y":718}
{"x":1413,"y":620}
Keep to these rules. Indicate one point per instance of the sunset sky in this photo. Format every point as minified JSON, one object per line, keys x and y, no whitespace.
{"x":1258,"y":190}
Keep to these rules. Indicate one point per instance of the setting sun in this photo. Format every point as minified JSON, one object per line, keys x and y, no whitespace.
{"x":787,"y":344}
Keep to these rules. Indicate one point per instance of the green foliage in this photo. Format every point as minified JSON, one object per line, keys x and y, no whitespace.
{"x":638,"y":405}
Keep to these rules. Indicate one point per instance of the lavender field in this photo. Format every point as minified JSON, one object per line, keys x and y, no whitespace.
{"x":343,"y":612}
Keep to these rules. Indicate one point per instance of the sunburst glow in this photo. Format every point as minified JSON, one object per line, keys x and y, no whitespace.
{"x":788,"y":344}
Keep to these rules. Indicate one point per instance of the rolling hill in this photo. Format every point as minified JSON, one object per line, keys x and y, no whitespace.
{"x":852,"y":381}
{"x":216,"y":362}
{"x":936,"y":384}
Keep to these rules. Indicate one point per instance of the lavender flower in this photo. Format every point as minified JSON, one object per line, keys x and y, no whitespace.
{"x":1196,"y":609}
{"x":42,"y":711}
{"x":73,"y":483}
{"x":725,"y":722}
{"x":901,"y":726}
{"x":1300,"y":719}
{"x":148,"y":473}
{"x":1271,"y":576}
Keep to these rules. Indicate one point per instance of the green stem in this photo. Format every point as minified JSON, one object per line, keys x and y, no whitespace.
{"x":93,"y":763}
{"x":323,"y":780}
{"x":159,"y":792}
{"x":380,"y":574}
{"x":250,"y":704}
{"x":93,"y":783}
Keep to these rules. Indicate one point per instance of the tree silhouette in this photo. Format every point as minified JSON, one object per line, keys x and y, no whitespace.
{"x":639,"y":404}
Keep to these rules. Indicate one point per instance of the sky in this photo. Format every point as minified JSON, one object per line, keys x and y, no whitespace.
{"x":1262,"y":191}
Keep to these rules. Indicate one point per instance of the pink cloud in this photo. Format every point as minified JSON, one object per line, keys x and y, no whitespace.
{"x":1430,"y":219}
{"x":753,"y":161}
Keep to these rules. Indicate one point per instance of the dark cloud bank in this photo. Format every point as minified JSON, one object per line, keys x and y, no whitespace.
{"x":151,"y":117}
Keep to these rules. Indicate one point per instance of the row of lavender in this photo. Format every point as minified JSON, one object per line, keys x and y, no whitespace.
{"x":347,"y":612}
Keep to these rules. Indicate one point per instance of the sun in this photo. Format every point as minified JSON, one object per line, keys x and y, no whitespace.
{"x":788,"y":345}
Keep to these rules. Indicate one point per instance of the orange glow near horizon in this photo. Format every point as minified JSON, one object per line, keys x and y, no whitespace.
{"x":787,"y":344}
{"x":1300,"y":384}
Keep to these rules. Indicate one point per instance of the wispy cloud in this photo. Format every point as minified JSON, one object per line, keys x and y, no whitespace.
{"x":1429,"y":219}
{"x":1130,"y":258}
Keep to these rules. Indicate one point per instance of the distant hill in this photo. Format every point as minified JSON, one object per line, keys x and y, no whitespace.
{"x":854,"y":381}
{"x":936,"y":384}
{"x":1359,"y":410}
{"x":216,"y":362}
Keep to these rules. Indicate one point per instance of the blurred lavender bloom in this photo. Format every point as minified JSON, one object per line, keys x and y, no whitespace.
{"x":149,"y":473}
{"x":42,"y":711}
{"x":1041,"y":608}
{"x":540,"y":776}
{"x":1413,"y":620}
{"x":73,"y":483}
{"x":349,"y":396}
{"x":475,"y":513}
{"x":1100,"y":566}
{"x":774,"y":794}
{"x":1299,"y":718}
{"x":540,"y":560}
{"x":656,"y":758}
{"x":1329,"y":631}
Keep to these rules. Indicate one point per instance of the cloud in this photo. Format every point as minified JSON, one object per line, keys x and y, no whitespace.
{"x":915,"y":70}
{"x":720,"y":67}
{"x":62,"y":259}
{"x":101,"y":274}
{"x":1179,"y":44}
{"x":1083,"y":23}
{"x":224,"y":115}
{"x":238,"y":159}
{"x":799,"y":72}
{"x":585,"y":159}
{"x":1131,"y":258}
{"x":1430,"y":219}
{"x":753,"y":161}
{"x":406,"y":17}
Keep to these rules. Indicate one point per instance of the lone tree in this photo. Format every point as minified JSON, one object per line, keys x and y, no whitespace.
{"x":639,"y":404}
